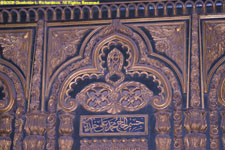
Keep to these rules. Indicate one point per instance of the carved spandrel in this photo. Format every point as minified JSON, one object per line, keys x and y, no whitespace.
{"x":63,"y":44}
{"x":214,"y":41}
{"x":170,"y":40}
{"x":16,"y":47}
{"x":213,"y":48}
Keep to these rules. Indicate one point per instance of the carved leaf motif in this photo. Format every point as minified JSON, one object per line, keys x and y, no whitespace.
{"x":15,"y":48}
{"x":215,"y":42}
{"x":169,"y":40}
{"x":64,"y":45}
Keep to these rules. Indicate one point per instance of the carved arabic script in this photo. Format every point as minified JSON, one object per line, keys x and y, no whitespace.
{"x":113,"y":125}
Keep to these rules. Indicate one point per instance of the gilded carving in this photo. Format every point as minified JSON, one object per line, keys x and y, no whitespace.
{"x":113,"y":125}
{"x":20,"y":103}
{"x":5,"y":143}
{"x":34,"y":142}
{"x":35,"y":128}
{"x":213,"y":48}
{"x":5,"y":131}
{"x":114,"y":144}
{"x":221,"y":93}
{"x":37,"y":67}
{"x":214,"y":42}
{"x":8,"y":93}
{"x":129,"y":96}
{"x":16,"y":47}
{"x":213,"y":104}
{"x":195,"y":123}
{"x":66,"y":130}
{"x":195,"y":87}
{"x":63,"y":44}
{"x":162,"y":127}
{"x":170,"y":40}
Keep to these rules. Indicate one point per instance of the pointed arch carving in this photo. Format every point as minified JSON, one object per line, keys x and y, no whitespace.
{"x":115,"y":55}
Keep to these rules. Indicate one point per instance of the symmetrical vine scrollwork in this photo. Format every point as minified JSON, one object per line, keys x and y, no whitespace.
{"x":129,"y":96}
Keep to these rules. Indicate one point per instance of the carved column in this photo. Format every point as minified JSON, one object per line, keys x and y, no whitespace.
{"x":195,"y":117}
{"x":5,"y":131}
{"x":35,"y":129}
{"x":66,"y":130}
{"x":35,"y":126}
{"x":195,"y":124}
{"x":162,"y":127}
{"x":213,"y":113}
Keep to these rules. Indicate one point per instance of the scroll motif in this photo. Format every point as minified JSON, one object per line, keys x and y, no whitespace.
{"x":114,"y":144}
{"x":114,"y":125}
{"x":16,"y":48}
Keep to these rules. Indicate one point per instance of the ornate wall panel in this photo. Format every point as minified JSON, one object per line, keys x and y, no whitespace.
{"x":146,"y":75}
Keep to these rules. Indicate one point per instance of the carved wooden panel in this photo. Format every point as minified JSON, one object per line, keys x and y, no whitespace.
{"x":146,"y":75}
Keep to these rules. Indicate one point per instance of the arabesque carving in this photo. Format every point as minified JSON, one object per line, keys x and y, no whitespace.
{"x":170,"y":40}
{"x":16,"y":47}
{"x":63,"y":44}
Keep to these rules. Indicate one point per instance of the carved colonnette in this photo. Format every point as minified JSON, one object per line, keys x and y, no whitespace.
{"x":35,"y":125}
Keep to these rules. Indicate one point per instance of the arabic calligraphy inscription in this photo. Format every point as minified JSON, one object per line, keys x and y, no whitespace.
{"x":114,"y":125}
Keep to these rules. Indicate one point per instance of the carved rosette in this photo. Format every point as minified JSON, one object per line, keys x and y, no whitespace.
{"x":35,"y":128}
{"x":162,"y":127}
{"x":66,"y":130}
{"x":195,"y":124}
